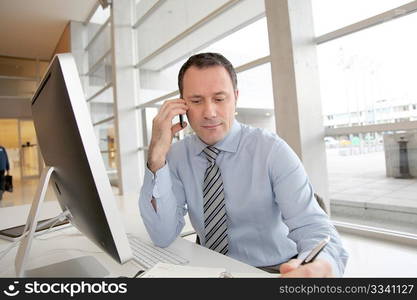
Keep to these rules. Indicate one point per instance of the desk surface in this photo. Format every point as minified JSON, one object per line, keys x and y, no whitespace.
{"x":70,"y":243}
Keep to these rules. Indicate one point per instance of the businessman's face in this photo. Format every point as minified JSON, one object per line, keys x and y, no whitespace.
{"x":211,"y":102}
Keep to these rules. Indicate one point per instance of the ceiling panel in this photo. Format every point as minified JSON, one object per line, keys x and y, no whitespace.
{"x":31,"y":29}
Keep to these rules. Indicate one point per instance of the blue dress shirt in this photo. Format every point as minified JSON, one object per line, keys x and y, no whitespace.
{"x":271,"y":210}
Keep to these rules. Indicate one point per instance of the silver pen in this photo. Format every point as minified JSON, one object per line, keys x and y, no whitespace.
{"x":316,"y":251}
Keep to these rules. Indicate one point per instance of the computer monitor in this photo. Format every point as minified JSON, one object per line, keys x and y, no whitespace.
{"x":75,"y":166}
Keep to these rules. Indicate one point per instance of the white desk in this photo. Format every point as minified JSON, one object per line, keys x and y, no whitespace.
{"x":69,"y":243}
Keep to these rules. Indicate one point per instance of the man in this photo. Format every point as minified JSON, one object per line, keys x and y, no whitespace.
{"x":245,"y":190}
{"x":4,"y":166}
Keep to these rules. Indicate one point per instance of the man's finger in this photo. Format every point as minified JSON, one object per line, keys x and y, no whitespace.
{"x":289,"y":266}
{"x":172,"y":101}
{"x":318,"y":268}
{"x":168,"y":111}
{"x":177,"y":127}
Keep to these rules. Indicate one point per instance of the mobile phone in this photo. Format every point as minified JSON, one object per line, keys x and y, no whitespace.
{"x":181,"y":121}
{"x":14,"y":233}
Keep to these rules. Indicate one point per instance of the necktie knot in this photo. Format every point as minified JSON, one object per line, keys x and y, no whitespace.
{"x":211,"y":153}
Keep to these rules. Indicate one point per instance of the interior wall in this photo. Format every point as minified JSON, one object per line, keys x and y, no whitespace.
{"x":15,"y":108}
{"x":64,"y":43}
{"x":18,"y":67}
{"x":15,"y":66}
{"x":9,"y":133}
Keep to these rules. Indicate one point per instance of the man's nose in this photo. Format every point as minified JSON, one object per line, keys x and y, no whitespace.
{"x":209,"y":110}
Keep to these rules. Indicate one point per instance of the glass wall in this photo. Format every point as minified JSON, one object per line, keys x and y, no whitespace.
{"x":368,"y":77}
{"x":255,"y":105}
{"x":369,"y":108}
{"x":330,"y":15}
{"x":256,"y":101}
{"x":244,"y":45}
{"x":98,"y":86}
{"x":106,"y":138}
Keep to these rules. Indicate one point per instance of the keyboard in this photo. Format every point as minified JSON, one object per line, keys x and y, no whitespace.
{"x":148,"y":255}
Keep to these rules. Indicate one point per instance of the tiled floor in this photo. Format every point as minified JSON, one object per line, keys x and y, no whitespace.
{"x":361,"y":179}
{"x":23,"y":193}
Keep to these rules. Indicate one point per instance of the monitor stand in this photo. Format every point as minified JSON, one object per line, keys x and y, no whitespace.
{"x":85,"y":266}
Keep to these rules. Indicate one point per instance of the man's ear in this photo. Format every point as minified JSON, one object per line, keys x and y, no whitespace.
{"x":236,"y":95}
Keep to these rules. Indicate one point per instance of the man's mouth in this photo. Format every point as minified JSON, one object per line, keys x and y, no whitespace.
{"x":211,"y":126}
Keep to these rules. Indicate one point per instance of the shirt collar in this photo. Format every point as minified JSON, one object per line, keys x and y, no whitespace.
{"x":229,"y":143}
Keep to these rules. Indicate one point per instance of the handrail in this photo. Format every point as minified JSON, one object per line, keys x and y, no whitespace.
{"x":102,"y":27}
{"x":99,"y":92}
{"x":97,"y":63}
{"x":103,"y":121}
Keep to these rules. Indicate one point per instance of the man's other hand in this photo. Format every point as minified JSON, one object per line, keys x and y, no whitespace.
{"x":294,"y":269}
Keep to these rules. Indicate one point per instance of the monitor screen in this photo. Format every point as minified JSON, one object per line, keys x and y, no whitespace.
{"x":68,"y":144}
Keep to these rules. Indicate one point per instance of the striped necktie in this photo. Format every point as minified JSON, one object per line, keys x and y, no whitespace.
{"x":215,"y":220}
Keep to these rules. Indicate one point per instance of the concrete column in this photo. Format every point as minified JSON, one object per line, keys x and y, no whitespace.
{"x":128,"y":132}
{"x":296,"y":89}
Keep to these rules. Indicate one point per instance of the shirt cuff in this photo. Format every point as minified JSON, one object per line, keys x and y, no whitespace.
{"x":158,"y":184}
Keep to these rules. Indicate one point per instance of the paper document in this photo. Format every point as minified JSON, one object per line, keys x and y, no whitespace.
{"x":164,"y":270}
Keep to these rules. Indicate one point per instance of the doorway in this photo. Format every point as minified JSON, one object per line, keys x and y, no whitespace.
{"x":18,"y":136}
{"x":30,"y":160}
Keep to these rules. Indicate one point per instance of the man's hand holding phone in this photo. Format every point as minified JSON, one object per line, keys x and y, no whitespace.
{"x":163,"y":132}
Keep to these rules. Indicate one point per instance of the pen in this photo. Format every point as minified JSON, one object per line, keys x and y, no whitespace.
{"x":316,"y":251}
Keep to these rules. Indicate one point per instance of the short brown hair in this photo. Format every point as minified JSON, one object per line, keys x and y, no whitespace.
{"x":205,"y":60}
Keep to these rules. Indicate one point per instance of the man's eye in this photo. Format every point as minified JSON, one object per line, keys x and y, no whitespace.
{"x":219,"y":99}
{"x":195,"y":101}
